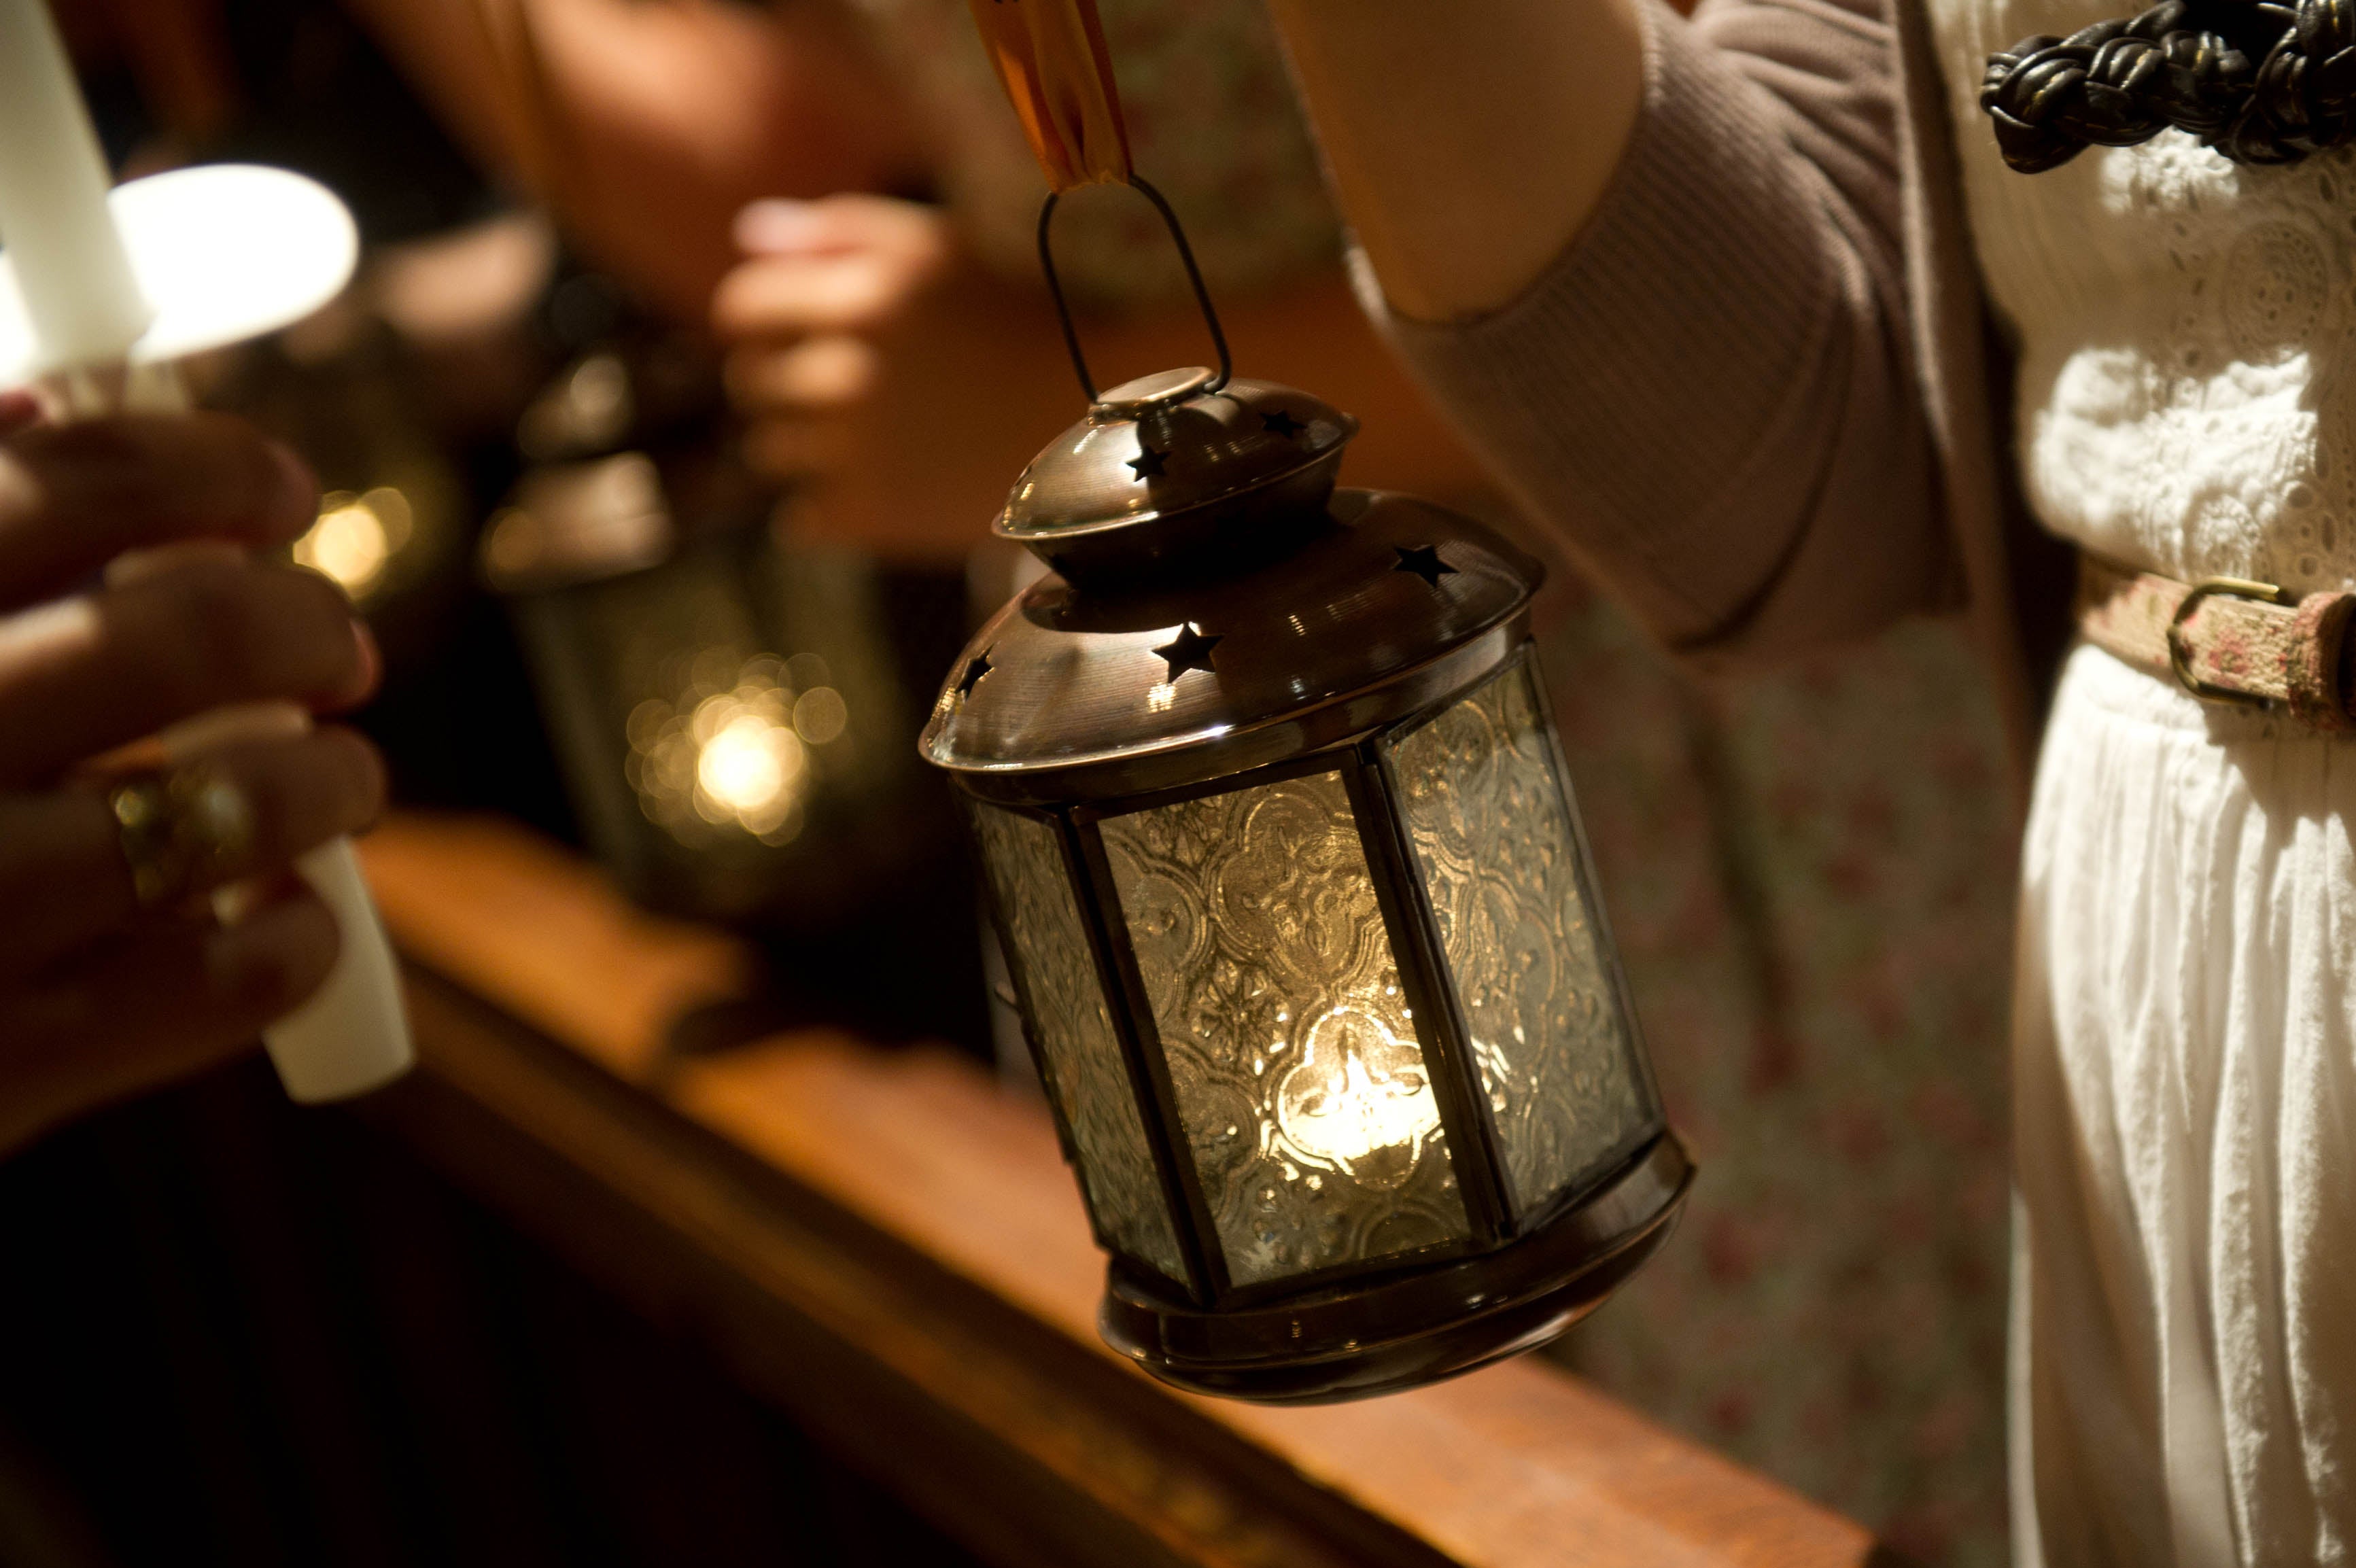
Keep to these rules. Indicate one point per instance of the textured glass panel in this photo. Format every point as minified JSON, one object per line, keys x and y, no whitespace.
{"x":1493,"y":832}
{"x":1295,"y":1061}
{"x":1082,"y":1059}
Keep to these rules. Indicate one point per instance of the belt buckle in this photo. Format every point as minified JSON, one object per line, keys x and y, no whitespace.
{"x":2179,"y":660}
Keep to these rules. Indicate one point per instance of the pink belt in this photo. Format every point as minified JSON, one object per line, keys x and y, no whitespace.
{"x":2226,"y":639}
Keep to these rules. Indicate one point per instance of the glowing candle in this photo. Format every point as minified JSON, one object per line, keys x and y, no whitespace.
{"x":84,"y":302}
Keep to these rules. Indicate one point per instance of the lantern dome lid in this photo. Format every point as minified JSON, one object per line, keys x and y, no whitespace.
{"x":1076,"y":691}
{"x":1168,"y":463}
{"x":1216,"y":604}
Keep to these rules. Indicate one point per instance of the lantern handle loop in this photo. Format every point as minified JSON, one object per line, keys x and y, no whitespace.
{"x":1186,"y":255}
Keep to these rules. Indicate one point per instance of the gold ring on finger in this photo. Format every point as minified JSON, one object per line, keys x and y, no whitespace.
{"x":180,"y":828}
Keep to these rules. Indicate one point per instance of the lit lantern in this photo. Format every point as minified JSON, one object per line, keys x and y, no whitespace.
{"x":1285,"y":861}
{"x":726,"y":710}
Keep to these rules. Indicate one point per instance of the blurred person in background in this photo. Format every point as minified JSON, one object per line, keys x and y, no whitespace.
{"x":842,"y":190}
{"x":868,"y":326}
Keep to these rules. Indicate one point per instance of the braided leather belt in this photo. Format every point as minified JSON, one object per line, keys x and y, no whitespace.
{"x":2226,"y":639}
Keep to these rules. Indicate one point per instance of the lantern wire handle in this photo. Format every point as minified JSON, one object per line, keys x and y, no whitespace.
{"x":1186,"y":254}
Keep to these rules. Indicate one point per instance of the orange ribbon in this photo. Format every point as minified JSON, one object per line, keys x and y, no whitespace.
{"x":1052,"y":60}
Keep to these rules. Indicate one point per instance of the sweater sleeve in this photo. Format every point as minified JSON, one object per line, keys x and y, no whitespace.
{"x":1711,"y":399}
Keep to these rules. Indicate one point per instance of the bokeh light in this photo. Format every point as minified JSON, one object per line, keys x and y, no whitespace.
{"x":735,"y":750}
{"x":355,"y":539}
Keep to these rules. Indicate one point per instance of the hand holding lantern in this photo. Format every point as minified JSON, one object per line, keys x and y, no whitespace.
{"x":1285,"y":860}
{"x":855,"y":319}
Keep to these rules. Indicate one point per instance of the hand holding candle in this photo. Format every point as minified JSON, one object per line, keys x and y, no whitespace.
{"x":102,"y":295}
{"x":111,"y":981}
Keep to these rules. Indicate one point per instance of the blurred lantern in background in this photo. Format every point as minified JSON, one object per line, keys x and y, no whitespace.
{"x":1285,"y":861}
{"x":393,"y":518}
{"x":725,"y":709}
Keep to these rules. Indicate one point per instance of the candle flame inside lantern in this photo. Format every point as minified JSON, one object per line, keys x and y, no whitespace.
{"x":1359,"y":1093}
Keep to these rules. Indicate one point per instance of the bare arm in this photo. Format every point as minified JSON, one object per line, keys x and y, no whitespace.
{"x":1654,"y":271}
{"x":1467,"y":145}
{"x":676,"y":115}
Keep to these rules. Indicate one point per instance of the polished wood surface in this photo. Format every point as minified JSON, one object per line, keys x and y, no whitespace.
{"x":545,"y":937}
{"x":889,"y":1245}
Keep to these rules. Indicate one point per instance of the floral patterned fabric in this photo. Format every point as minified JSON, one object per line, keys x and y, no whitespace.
{"x":1810,"y":877}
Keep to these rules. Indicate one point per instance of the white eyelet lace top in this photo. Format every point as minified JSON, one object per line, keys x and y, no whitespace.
{"x":2185,"y":399}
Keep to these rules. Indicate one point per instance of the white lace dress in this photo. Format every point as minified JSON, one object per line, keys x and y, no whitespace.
{"x":2185,"y":1035}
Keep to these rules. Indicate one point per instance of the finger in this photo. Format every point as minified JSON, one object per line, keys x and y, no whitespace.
{"x":19,"y":409}
{"x":63,"y":879}
{"x":139,"y":565}
{"x":788,"y":297}
{"x":80,"y":676}
{"x":822,"y":374}
{"x":851,"y":220}
{"x":796,"y":449}
{"x":73,"y":496}
{"x":170,"y":999}
{"x":777,"y":226}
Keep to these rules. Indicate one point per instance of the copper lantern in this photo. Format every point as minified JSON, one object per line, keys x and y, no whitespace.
{"x":1282,"y":852}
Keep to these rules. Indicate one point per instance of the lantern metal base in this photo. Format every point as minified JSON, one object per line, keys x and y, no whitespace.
{"x":1365,"y":1338}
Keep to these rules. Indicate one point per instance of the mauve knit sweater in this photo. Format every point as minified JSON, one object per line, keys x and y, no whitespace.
{"x":1753,"y":398}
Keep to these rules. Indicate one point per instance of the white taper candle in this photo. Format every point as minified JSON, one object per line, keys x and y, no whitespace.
{"x":352,"y":1036}
{"x":85,"y":305}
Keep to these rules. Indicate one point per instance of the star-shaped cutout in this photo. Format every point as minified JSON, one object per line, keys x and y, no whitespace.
{"x":975,"y":669}
{"x":1281,"y":424}
{"x":1190,"y":649}
{"x":1147,"y":463}
{"x":1424,"y":562}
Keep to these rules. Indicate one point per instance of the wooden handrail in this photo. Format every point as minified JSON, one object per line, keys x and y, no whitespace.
{"x":888,"y":1245}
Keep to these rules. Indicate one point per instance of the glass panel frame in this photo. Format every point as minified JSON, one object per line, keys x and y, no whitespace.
{"x":1144,"y":1092}
{"x":1466,"y":1134}
{"x":1267,"y":887}
{"x":1520,"y":1218}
